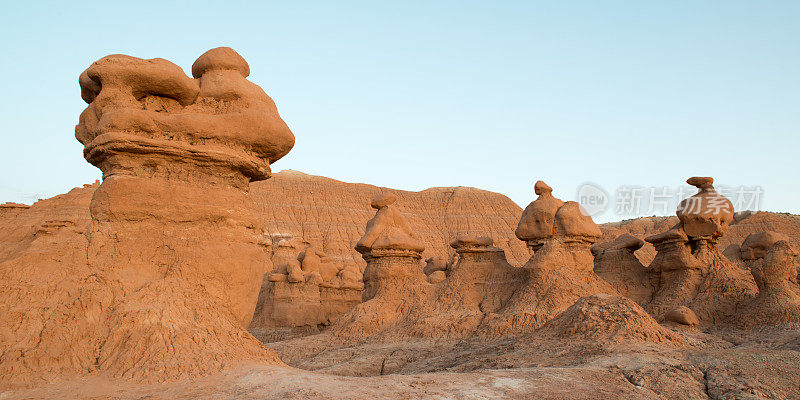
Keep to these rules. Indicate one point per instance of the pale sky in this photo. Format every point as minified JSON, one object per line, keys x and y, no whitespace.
{"x":411,"y":95}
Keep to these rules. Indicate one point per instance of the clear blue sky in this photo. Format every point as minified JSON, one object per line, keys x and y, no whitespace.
{"x":412,"y":95}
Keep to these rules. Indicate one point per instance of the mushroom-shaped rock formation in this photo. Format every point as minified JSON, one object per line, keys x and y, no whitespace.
{"x":388,"y":230}
{"x":173,"y":257}
{"x":560,"y":270}
{"x":707,"y":214}
{"x":777,"y":302}
{"x":394,"y":284}
{"x":617,"y":264}
{"x":390,"y":249}
{"x":689,"y":270}
{"x":756,"y":245}
{"x":575,"y":225}
{"x":177,"y":155}
{"x":538,"y":219}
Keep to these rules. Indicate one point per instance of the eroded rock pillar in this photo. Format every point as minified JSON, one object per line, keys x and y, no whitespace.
{"x":177,"y":156}
{"x":391,"y":250}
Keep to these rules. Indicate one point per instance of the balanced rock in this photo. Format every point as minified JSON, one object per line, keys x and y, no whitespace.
{"x":388,"y":229}
{"x":538,"y":219}
{"x":688,"y":269}
{"x":389,"y":247}
{"x":707,"y":214}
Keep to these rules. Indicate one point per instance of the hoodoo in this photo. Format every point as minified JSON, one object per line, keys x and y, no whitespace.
{"x":391,"y":250}
{"x":171,"y":269}
{"x":689,"y":269}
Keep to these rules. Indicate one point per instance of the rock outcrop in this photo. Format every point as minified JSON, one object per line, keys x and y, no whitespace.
{"x":538,"y":219}
{"x":617,"y":264}
{"x":778,"y":301}
{"x":690,"y":269}
{"x":394,"y":283}
{"x":303,"y":293}
{"x":482,"y":294}
{"x":560,"y":269}
{"x":166,"y":273}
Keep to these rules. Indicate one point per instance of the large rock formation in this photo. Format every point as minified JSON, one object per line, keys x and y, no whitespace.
{"x":177,"y":155}
{"x":617,"y":264}
{"x":538,"y":219}
{"x":302,"y":294}
{"x":560,"y":269}
{"x":168,"y":270}
{"x":689,"y":267}
{"x":772,"y":262}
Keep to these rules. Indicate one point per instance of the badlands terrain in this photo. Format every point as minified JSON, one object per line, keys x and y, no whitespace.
{"x":192,"y":271}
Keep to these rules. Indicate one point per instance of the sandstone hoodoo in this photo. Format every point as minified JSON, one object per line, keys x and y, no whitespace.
{"x":778,"y":300}
{"x":174,"y":209}
{"x":392,"y":252}
{"x":538,"y":218}
{"x":393,"y":279}
{"x":177,"y":155}
{"x":560,"y":269}
{"x":173,"y":256}
{"x":689,"y":269}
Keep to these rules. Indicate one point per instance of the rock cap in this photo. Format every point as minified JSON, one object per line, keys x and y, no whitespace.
{"x":383,"y":200}
{"x":701,"y":182}
{"x":220,"y":58}
{"x":541,"y":188}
